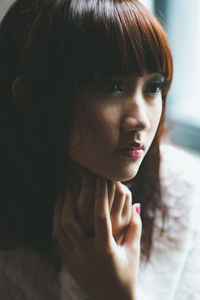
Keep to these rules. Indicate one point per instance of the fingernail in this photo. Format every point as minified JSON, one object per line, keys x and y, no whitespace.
{"x":138,"y":208}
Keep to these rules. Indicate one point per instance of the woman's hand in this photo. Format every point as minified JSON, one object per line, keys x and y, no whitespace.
{"x":102,"y":268}
{"x":120,"y":202}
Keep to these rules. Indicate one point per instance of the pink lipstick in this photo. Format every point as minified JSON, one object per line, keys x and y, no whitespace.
{"x":133,"y":150}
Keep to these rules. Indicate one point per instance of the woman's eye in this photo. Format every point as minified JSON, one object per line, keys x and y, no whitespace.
{"x":112,"y":86}
{"x":154,"y":88}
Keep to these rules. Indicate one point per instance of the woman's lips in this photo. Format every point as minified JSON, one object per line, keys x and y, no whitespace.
{"x":135,"y":151}
{"x":131,"y":153}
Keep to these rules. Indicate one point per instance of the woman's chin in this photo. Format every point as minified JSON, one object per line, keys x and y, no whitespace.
{"x":123,"y":175}
{"x":113,"y":173}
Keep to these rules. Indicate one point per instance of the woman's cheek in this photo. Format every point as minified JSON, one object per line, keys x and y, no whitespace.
{"x":156,"y":114}
{"x":106,"y":121}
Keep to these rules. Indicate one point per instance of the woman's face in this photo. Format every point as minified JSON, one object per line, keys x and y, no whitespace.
{"x":115,"y":123}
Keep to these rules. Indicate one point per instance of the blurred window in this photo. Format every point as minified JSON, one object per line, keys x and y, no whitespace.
{"x":181,"y":19}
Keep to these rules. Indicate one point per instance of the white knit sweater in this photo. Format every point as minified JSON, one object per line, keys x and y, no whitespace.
{"x":173,"y":272}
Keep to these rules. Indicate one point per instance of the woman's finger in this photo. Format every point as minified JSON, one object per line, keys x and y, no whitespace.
{"x":69,"y":220}
{"x":58,"y":232}
{"x":85,"y":203}
{"x":133,"y":234}
{"x":126,"y":211}
{"x":121,"y":211}
{"x":111,"y":193}
{"x":103,"y":227}
{"x":119,"y":199}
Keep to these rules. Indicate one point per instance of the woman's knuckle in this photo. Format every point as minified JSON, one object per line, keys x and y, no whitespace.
{"x":124,"y":190}
{"x":127,"y":192}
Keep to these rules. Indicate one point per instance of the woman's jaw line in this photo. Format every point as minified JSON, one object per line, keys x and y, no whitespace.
{"x":78,"y":171}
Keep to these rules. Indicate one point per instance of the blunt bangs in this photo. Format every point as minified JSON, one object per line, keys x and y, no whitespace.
{"x":117,"y":37}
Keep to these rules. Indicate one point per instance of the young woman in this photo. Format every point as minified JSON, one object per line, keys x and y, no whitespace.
{"x":83,"y":92}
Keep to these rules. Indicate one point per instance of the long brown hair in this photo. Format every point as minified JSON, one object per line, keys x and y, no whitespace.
{"x":43,"y":43}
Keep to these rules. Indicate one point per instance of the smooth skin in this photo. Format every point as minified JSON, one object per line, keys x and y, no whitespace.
{"x":111,"y":114}
{"x":102,"y":268}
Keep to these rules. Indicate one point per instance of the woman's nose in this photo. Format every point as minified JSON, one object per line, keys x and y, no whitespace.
{"x":136,"y":117}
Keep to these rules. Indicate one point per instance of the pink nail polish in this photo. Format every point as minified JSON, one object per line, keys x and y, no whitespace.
{"x":138,"y":208}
